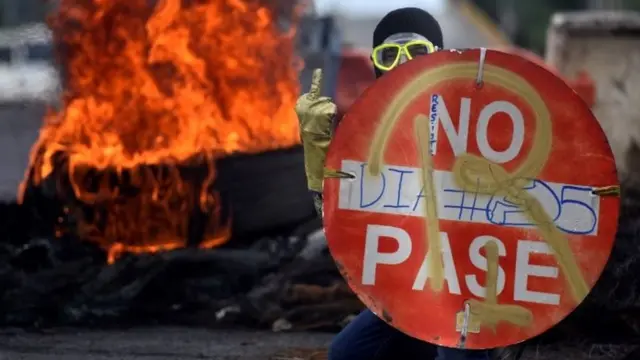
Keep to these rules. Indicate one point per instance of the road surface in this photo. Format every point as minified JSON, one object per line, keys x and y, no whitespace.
{"x":170,"y":343}
{"x":161,"y":343}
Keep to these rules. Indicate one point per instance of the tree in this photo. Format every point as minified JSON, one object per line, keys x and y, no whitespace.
{"x":529,"y":27}
{"x":631,"y":4}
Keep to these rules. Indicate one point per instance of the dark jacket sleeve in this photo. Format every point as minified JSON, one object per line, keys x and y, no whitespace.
{"x":317,"y":202}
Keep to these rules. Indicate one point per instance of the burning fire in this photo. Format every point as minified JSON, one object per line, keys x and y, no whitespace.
{"x":154,"y":95}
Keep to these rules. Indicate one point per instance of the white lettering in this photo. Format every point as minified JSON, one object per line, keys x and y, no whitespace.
{"x":450,"y":275}
{"x":479,"y":261}
{"x":457,"y":139}
{"x":524,"y":270}
{"x":482,"y":135}
{"x":372,"y":257}
{"x":398,"y":190}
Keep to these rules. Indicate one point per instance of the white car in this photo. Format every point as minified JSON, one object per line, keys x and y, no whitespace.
{"x":27,"y":68}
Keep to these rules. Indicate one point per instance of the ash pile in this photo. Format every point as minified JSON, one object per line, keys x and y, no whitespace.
{"x":285,"y":281}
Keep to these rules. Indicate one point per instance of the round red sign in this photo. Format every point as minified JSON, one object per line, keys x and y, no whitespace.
{"x":470,"y":219}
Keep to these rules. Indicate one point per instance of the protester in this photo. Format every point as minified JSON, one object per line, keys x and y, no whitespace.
{"x":400,"y":36}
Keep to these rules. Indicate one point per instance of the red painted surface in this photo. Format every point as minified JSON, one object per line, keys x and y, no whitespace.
{"x":580,"y":157}
{"x":355,"y":75}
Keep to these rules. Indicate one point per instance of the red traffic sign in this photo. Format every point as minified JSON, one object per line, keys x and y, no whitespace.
{"x":470,"y":219}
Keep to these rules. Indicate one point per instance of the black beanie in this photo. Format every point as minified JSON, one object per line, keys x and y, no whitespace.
{"x":408,"y":20}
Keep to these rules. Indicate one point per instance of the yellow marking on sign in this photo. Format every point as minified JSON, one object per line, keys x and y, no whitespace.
{"x":477,"y":174}
{"x":489,"y":312}
{"x":430,"y":205}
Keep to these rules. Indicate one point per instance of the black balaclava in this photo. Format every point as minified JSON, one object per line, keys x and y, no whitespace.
{"x":407,"y":20}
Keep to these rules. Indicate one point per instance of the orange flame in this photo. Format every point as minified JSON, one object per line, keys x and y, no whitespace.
{"x":152,"y":92}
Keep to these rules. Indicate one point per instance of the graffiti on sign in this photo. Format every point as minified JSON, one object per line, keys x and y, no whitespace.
{"x":489,"y":195}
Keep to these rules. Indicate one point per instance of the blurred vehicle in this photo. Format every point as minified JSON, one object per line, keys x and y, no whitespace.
{"x":27,"y":70}
{"x":355,"y":75}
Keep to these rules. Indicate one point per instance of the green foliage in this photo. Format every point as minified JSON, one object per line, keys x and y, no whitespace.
{"x":632,"y":4}
{"x":533,"y":16}
{"x":534,"y":19}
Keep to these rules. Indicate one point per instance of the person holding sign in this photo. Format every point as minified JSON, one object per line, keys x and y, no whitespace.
{"x":400,"y":36}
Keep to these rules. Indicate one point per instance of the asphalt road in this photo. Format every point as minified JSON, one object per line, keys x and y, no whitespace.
{"x":172,"y":343}
{"x":160,"y":343}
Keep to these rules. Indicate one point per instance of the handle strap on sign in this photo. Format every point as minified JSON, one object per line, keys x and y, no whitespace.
{"x":337,"y":174}
{"x":611,"y":190}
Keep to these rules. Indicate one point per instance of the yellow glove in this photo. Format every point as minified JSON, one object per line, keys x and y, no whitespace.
{"x":315,"y":114}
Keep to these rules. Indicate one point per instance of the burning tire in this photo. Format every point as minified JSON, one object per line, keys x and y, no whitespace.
{"x":155,"y":96}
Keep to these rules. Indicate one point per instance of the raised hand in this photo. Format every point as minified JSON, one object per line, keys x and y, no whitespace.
{"x":315,"y":115}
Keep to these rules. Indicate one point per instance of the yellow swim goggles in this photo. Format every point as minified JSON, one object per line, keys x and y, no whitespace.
{"x":387,"y":56}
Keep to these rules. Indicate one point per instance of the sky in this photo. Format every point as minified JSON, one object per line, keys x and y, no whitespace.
{"x":375,"y":7}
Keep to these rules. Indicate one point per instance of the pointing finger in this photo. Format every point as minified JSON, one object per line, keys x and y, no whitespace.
{"x":316,"y":83}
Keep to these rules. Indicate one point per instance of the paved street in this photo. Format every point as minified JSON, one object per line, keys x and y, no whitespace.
{"x":172,"y":343}
{"x":160,"y":343}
